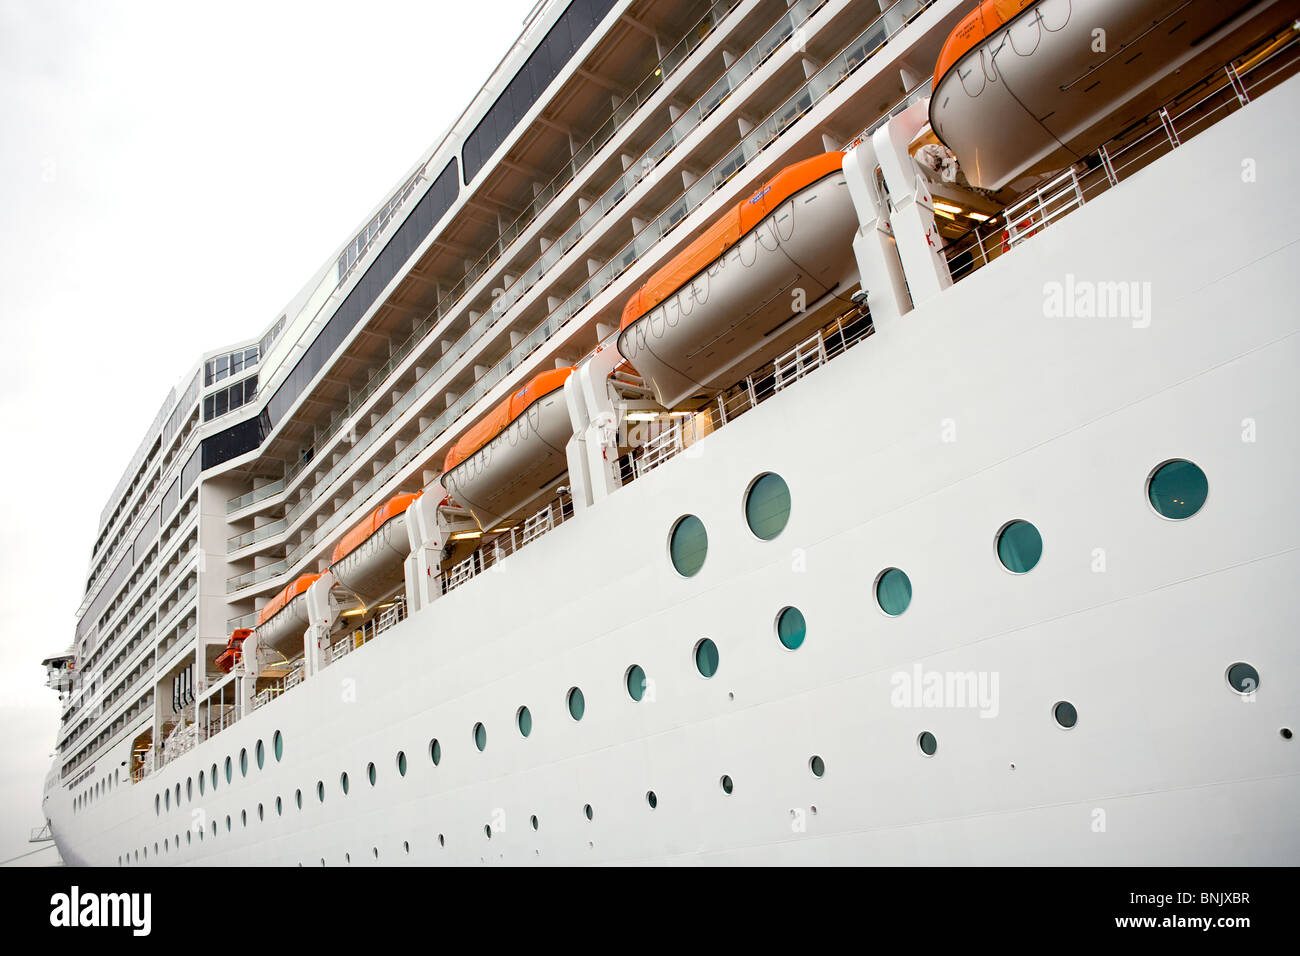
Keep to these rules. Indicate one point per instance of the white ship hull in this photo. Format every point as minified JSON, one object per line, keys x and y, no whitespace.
{"x":909,"y":451}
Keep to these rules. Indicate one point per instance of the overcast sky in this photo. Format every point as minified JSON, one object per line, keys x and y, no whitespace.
{"x":171,"y":174}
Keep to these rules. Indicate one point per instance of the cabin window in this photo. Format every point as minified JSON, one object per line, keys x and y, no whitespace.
{"x":277,"y":745}
{"x":524,"y":721}
{"x":1064,"y":713}
{"x":435,"y":751}
{"x":791,"y":628}
{"x":635,"y":680}
{"x":1019,"y":546}
{"x":893,"y":591}
{"x":1177,"y":489}
{"x":370,"y":774}
{"x":261,"y":755}
{"x":767,"y":506}
{"x":927,"y":743}
{"x":706,"y":658}
{"x":576,"y":702}
{"x":401,"y":763}
{"x":726,"y":784}
{"x":817,"y":765}
{"x":687,"y":545}
{"x":480,"y":737}
{"x":1243,"y":678}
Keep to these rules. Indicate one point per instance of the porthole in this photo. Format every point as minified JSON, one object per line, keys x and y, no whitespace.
{"x":178,"y":794}
{"x":261,"y":755}
{"x":893,"y":591}
{"x":1019,"y":546}
{"x":189,"y":788}
{"x":817,"y":766}
{"x":1243,"y":678}
{"x":260,"y":815}
{"x":214,"y":776}
{"x":487,"y":829}
{"x":442,"y":841}
{"x":243,"y":818}
{"x":576,"y":702}
{"x":188,"y":837}
{"x":279,"y":807}
{"x":688,"y":544}
{"x":167,"y":799}
{"x":927,"y":742}
{"x":320,"y":791}
{"x":370,"y":774}
{"x":401,"y":763}
{"x":533,"y":821}
{"x":791,"y":628}
{"x":435,"y":751}
{"x":243,"y":761}
{"x":406,"y":846}
{"x":157,"y":804}
{"x":480,"y":737}
{"x":524,"y":721}
{"x":635,"y":681}
{"x":1065,"y":714}
{"x":297,"y":798}
{"x":767,"y":506}
{"x":651,"y":799}
{"x":277,"y":746}
{"x":1177,"y":489}
{"x":343,"y":782}
{"x":229,"y":770}
{"x":227,"y":822}
{"x":706,"y":658}
{"x":587,"y":811}
{"x":726,"y":784}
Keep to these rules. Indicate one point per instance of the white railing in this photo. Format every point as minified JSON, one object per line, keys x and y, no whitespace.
{"x":507,"y":543}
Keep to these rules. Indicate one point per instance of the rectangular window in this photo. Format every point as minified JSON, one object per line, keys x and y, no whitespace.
{"x":208,"y":412}
{"x":236,"y":363}
{"x":250,"y":357}
{"x":236,"y":395}
{"x":223,"y":403}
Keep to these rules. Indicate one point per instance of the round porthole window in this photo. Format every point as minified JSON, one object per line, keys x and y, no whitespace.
{"x":635,"y":681}
{"x":576,"y":702}
{"x":524,"y":721}
{"x":435,"y":751}
{"x":480,"y":737}
{"x":1065,"y":714}
{"x":261,"y":755}
{"x":893,"y":591}
{"x":817,"y":766}
{"x":687,"y":545}
{"x":927,"y":742}
{"x":1243,"y":678}
{"x":1177,"y":489}
{"x":401,"y":763}
{"x":706,"y":658}
{"x":767,"y":506}
{"x":791,"y":628}
{"x":1020,"y":546}
{"x":277,"y":745}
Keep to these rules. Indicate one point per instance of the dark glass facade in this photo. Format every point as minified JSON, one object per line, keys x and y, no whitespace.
{"x":544,"y":65}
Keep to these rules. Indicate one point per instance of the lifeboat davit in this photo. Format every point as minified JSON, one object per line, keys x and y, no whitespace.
{"x":514,"y":454}
{"x":228,"y":658}
{"x":282,"y":621}
{"x":368,"y":559}
{"x":729,"y":301}
{"x":1028,"y":86}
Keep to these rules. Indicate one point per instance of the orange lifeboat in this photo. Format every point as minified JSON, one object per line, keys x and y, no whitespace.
{"x":732,"y":299}
{"x":282,"y":620}
{"x":1031,"y":86}
{"x":228,"y":658}
{"x":514,"y":454}
{"x":368,"y":559}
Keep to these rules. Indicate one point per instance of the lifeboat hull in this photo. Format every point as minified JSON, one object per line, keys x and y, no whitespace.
{"x":284,"y":632}
{"x":1038,"y":85}
{"x":374,"y":569}
{"x":741,"y":310}
{"x":503,"y":477}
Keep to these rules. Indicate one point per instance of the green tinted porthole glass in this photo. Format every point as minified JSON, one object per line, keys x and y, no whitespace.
{"x":277,"y":745}
{"x":401,"y":763}
{"x":370,"y":774}
{"x":343,"y":782}
{"x":893,"y":591}
{"x":524,"y":721}
{"x":587,"y":811}
{"x":214,"y":776}
{"x":928,"y":744}
{"x":687,"y":545}
{"x":320,"y":790}
{"x":635,"y":682}
{"x":261,"y":755}
{"x":229,"y":770}
{"x":651,"y":799}
{"x":167,"y":799}
{"x":726,"y":783}
{"x":706,"y":658}
{"x":279,"y":807}
{"x":243,"y":762}
{"x":297,"y":797}
{"x":1243,"y":678}
{"x":791,"y":627}
{"x":480,"y":737}
{"x":189,"y":788}
{"x":817,"y":766}
{"x":200,"y":783}
{"x":767,"y":506}
{"x":435,"y":751}
{"x":577,"y":703}
{"x":1065,"y":714}
{"x":1177,"y":489}
{"x":1020,"y":546}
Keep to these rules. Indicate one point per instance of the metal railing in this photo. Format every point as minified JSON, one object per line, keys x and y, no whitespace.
{"x":501,"y":547}
{"x":1165,"y":130}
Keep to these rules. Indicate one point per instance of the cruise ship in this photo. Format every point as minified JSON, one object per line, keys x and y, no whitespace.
{"x":757,"y":432}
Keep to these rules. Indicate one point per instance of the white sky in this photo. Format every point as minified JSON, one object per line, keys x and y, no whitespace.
{"x":170,"y":175}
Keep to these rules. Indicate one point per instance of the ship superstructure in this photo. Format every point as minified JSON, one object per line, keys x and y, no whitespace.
{"x":665,"y":239}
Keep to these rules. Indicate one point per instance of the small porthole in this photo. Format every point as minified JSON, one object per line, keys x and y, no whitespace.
{"x":817,"y":766}
{"x":167,"y":799}
{"x":487,"y":830}
{"x":767,"y":506}
{"x":1177,"y":489}
{"x":1243,"y":678}
{"x":406,"y":846}
{"x":927,"y":742}
{"x":343,"y":782}
{"x":228,"y":827}
{"x":243,"y":818}
{"x":586,"y":810}
{"x":1285,"y":733}
{"x":243,"y":762}
{"x":524,"y":721}
{"x":277,"y":746}
{"x":480,"y":737}
{"x":791,"y":628}
{"x":726,"y":784}
{"x":279,"y":807}
{"x":706,"y":658}
{"x":189,"y":788}
{"x":157,"y":804}
{"x":320,"y":790}
{"x":435,"y":751}
{"x":688,"y":544}
{"x":370,"y":773}
{"x":214,"y":776}
{"x":1065,"y":714}
{"x":1019,"y":546}
{"x":260,"y":813}
{"x":651,"y":799}
{"x":635,"y":681}
{"x":576,"y":702}
{"x":297,"y":798}
{"x":442,"y":841}
{"x":401,"y":763}
{"x":261,"y":755}
{"x":893,"y":591}
{"x":230,"y":771}
{"x":533,"y":821}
